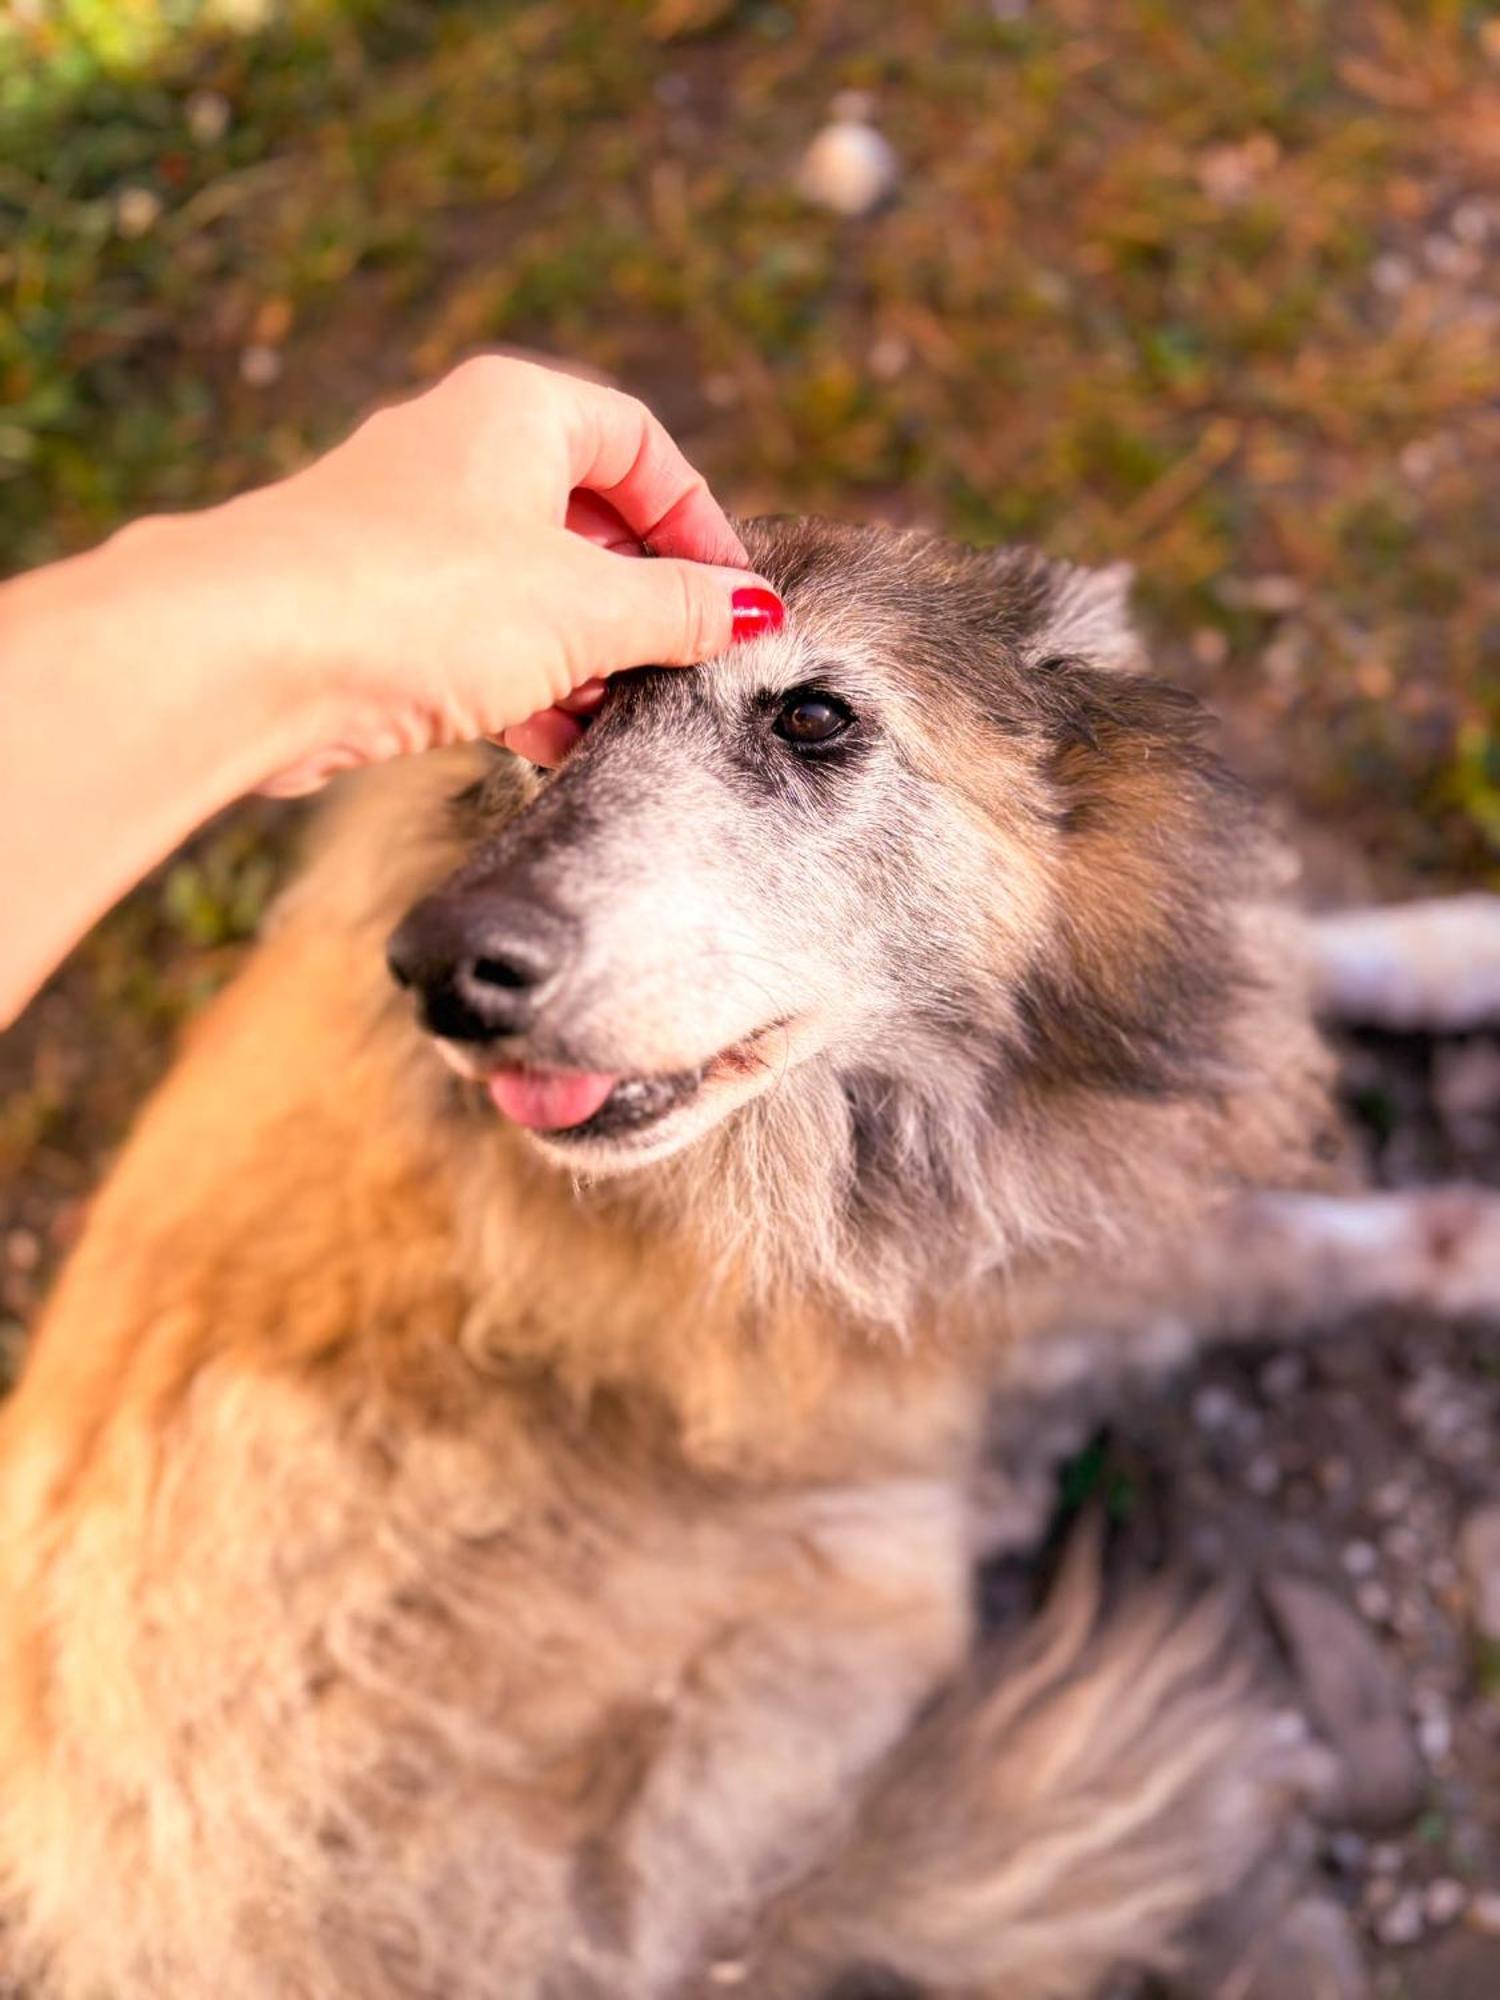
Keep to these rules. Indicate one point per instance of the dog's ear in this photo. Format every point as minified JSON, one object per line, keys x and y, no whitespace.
{"x":1047,"y":611}
{"x":1085,"y":615}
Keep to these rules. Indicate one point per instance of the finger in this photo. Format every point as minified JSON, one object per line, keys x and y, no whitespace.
{"x":619,"y":451}
{"x":660,"y":613}
{"x":545,"y":738}
{"x":600,"y":524}
{"x":585,"y":699}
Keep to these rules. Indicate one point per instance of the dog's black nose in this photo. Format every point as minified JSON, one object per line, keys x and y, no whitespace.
{"x":480,"y":964}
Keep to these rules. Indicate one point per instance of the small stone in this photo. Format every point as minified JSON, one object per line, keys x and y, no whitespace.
{"x":1375,"y":1602}
{"x":1409,"y":1618}
{"x":208,"y":116}
{"x":1402,"y":1544}
{"x":1361,"y":1559}
{"x":1391,"y":274}
{"x":1386,"y":1857}
{"x":889,"y":357}
{"x":850,"y":167}
{"x":1214,"y":1409}
{"x":1391,"y":1499}
{"x":1444,"y":1901}
{"x":1434,"y":1736}
{"x":1402,"y":1923}
{"x":137,"y":211}
{"x":1418,"y":461}
{"x":1263,"y":1475}
{"x":1484,"y":1912}
{"x":1478,"y":1547}
{"x":1282,"y":1377}
{"x":260,"y":365}
{"x":1357,"y":1701}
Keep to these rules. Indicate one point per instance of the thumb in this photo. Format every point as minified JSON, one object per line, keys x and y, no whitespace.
{"x":660,"y":611}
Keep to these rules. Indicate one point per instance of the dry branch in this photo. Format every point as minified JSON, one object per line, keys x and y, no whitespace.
{"x":1431,"y":966}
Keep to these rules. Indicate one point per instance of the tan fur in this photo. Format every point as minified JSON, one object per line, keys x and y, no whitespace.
{"x":425,"y":1576}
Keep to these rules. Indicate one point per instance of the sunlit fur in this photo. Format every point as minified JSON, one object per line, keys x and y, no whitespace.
{"x":441,"y":1563}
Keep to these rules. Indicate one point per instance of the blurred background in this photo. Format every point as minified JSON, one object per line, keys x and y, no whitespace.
{"x":1215,"y":288}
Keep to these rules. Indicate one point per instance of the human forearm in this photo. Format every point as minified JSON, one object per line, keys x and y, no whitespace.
{"x":137,"y":697}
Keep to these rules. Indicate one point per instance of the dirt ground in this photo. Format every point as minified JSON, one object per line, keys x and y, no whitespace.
{"x":1215,"y":290}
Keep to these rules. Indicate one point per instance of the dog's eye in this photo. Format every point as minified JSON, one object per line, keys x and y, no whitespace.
{"x":807,"y":719}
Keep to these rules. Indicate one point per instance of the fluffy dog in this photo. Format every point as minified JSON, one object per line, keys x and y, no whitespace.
{"x":487,"y":1513}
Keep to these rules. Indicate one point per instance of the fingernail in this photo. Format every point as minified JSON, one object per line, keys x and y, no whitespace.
{"x":756,"y":611}
{"x":585,"y":698}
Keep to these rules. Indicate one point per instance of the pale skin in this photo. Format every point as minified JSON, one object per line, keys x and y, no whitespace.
{"x":459,"y":568}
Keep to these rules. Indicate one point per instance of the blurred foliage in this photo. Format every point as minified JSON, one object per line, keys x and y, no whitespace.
{"x":1214,"y":289}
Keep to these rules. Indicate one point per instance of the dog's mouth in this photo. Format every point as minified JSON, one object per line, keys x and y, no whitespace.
{"x":571,"y":1104}
{"x":567,"y":1105}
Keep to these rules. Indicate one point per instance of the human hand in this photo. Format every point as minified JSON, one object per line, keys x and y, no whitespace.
{"x":463,"y":566}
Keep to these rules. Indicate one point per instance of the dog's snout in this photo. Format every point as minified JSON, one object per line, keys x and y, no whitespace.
{"x":480,"y":964}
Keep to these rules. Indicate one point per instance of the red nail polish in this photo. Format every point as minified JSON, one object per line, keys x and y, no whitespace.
{"x":756,"y":610}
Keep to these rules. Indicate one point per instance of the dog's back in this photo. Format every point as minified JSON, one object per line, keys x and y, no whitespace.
{"x":430,"y":1572}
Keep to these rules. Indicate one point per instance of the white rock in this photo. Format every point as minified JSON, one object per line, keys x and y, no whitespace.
{"x":1445,"y":1900}
{"x":850,"y":167}
{"x":260,"y":366}
{"x":208,"y":116}
{"x":1402,"y":1922}
{"x":888,"y":357}
{"x":1375,"y":1602}
{"x":137,"y":211}
{"x":1435,"y":1737}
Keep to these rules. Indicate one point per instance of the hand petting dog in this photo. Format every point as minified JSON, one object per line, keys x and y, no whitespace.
{"x":457,"y":568}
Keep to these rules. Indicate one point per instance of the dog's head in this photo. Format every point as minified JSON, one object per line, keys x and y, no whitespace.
{"x":937,"y":838}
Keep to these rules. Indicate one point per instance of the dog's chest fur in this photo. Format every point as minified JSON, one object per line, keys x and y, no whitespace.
{"x":486,"y":1630}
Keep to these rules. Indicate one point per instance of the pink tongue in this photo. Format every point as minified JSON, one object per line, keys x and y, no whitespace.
{"x":549,"y":1100}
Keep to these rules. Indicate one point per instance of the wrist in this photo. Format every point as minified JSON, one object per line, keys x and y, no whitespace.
{"x":185,"y":602}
